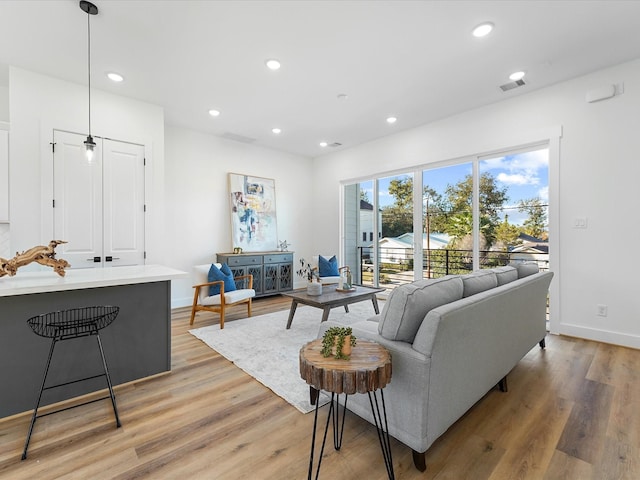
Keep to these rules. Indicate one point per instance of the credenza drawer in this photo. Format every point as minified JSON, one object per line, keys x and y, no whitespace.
{"x":239,"y":260}
{"x":278,"y":258}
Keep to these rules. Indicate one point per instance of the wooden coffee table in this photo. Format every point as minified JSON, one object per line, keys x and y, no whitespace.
{"x":331,"y":298}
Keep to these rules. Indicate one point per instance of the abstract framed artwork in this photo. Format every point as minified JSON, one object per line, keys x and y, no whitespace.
{"x":253,"y":213}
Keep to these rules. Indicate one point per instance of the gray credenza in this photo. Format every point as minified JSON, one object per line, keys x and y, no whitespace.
{"x":272,"y":271}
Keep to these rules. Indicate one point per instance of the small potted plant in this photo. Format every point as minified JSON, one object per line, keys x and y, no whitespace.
{"x":338,"y":341}
{"x":314,"y":287}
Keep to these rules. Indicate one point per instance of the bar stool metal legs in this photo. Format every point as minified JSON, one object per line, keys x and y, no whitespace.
{"x":108,"y":378}
{"x":68,"y":325}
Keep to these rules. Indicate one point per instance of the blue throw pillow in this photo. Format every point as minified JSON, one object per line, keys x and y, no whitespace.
{"x":328,"y":268}
{"x":223,"y":274}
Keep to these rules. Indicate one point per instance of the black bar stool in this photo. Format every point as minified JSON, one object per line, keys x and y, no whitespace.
{"x":67,"y":325}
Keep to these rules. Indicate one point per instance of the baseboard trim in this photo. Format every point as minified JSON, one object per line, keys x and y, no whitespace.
{"x":599,"y":335}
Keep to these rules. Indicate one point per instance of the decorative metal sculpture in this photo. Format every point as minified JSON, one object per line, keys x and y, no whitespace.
{"x":284,"y":246}
{"x":44,"y":255}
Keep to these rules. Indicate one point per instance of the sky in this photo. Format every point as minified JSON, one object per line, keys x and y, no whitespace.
{"x":525,"y":175}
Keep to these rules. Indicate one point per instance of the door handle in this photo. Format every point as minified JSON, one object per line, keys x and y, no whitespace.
{"x":109,"y":259}
{"x":94,"y":259}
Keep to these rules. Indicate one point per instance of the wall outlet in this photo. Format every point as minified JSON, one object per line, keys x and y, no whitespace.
{"x":601,"y":310}
{"x":580,"y":222}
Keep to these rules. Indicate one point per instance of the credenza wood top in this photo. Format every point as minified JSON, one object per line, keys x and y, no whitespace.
{"x":273,"y":252}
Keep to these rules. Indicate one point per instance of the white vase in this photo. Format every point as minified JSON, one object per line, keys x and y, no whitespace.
{"x":314,"y":289}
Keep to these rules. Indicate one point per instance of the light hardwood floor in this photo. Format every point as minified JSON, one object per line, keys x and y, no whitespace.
{"x":572,"y":412}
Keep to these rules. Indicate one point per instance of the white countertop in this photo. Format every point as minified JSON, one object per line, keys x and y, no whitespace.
{"x":24,"y":283}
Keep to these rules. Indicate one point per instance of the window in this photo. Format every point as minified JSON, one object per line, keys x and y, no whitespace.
{"x":480,"y":212}
{"x":447,"y":202}
{"x":514,"y":200}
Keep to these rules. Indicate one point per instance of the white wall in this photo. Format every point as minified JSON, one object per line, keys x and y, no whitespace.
{"x":4,"y":103}
{"x":598,"y":173}
{"x":197,"y":199}
{"x":38,"y":104}
{"x":4,"y":227}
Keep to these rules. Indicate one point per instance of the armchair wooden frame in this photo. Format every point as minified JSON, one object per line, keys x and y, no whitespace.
{"x":197,"y":307}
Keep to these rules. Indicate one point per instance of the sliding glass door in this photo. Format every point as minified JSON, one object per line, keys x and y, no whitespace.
{"x":477,"y":213}
{"x":514,"y":201}
{"x":447,"y":203}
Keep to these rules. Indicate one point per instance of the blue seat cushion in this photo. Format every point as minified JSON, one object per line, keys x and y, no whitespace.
{"x":328,"y":268}
{"x":224,"y":274}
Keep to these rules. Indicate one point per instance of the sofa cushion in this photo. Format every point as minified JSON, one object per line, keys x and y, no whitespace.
{"x":224,"y":274}
{"x":526,"y":268}
{"x":505,"y":274}
{"x":479,"y":281}
{"x":408,"y":304}
{"x":328,"y":267}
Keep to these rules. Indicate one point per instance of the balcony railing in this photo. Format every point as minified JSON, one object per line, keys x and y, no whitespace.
{"x":395,"y":265}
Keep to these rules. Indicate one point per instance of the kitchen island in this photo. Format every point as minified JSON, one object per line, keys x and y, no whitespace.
{"x":137,"y":344}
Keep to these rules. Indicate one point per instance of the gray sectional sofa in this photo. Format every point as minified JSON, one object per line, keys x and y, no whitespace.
{"x":452,"y":339}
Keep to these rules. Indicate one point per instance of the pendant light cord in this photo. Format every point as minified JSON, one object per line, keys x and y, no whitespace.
{"x":89,"y":64}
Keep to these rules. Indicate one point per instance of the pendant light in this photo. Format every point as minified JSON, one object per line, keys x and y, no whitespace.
{"x":90,"y":9}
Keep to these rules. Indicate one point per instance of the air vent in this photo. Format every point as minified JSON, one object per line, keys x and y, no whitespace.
{"x":238,"y":138}
{"x":334,"y":145}
{"x":511,"y":85}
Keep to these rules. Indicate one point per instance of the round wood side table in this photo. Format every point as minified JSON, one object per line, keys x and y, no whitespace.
{"x":367,"y":371}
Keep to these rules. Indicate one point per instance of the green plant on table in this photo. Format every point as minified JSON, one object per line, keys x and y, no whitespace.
{"x":335,"y":337}
{"x":308,"y":272}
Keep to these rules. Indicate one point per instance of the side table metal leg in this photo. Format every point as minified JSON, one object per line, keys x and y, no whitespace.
{"x":383,"y":430}
{"x":313,"y":395}
{"x":338,"y":427}
{"x":324,"y":438}
{"x":338,"y":430}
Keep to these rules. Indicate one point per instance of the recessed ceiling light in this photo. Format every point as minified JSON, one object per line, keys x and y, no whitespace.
{"x":323,"y":144}
{"x":116,"y":77}
{"x":483,"y":29}
{"x":276,"y":131}
{"x":214,"y":113}
{"x":516,"y":76}
{"x":272,"y":64}
{"x":391,"y":120}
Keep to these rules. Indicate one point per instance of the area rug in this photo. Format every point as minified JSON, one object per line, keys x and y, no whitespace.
{"x":258,"y":344}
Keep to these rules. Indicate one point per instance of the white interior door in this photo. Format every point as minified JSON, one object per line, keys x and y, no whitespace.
{"x":77,"y":202}
{"x":123,"y":183}
{"x":98,"y":207}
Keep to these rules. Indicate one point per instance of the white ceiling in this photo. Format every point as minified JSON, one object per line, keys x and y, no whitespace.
{"x":415,"y":60}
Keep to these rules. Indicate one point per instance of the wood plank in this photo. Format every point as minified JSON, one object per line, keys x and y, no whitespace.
{"x":563,"y":466}
{"x":585,"y":430}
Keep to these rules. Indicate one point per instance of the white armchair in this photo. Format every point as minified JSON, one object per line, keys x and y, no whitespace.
{"x":327,"y":280}
{"x":218,"y":303}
